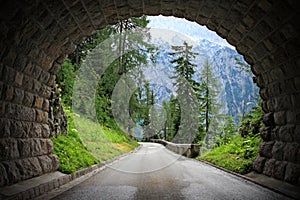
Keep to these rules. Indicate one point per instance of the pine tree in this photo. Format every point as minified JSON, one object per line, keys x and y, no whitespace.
{"x":172,"y":121}
{"x":187,"y":88}
{"x":209,"y":106}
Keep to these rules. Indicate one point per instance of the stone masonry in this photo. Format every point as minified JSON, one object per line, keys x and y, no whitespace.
{"x":37,"y":35}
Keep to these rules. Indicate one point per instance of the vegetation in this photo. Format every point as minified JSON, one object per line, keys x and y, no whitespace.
{"x":178,"y":127}
{"x":87,"y":142}
{"x":223,"y":142}
{"x":239,"y":151}
{"x":72,"y":153}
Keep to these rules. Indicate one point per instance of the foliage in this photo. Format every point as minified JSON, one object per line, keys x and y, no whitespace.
{"x":172,"y":121}
{"x":209,"y":108}
{"x":88,"y":143}
{"x":103,"y":142}
{"x":72,"y":153}
{"x":237,"y":152}
{"x":252,"y":122}
{"x":228,"y":130}
{"x":237,"y":155}
{"x":186,"y":89}
{"x":65,"y":81}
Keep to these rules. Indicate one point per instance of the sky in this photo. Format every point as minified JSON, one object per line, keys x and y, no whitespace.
{"x":189,"y":29}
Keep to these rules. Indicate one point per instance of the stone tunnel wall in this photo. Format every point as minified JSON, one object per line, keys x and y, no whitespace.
{"x":37,"y":35}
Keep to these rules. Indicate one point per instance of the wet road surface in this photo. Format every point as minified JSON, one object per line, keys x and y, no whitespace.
{"x":153,"y":172}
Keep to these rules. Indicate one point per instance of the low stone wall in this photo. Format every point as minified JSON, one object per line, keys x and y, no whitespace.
{"x":188,"y":150}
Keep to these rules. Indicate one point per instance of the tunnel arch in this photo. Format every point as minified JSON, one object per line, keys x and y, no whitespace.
{"x":36,"y":37}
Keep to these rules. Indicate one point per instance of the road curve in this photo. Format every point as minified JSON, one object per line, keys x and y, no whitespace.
{"x":153,"y":172}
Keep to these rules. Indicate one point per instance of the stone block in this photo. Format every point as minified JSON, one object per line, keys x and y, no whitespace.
{"x":268,"y":119}
{"x":265,"y":149}
{"x":277,"y":150}
{"x":50,"y":147}
{"x":41,"y":116}
{"x":36,"y":72}
{"x":45,"y":91}
{"x":28,"y":99}
{"x":12,"y":171}
{"x":295,"y":98}
{"x":36,"y":130}
{"x":51,"y":81}
{"x":44,"y":77}
{"x":29,"y":68}
{"x":55,"y":68}
{"x":55,"y":161}
{"x":46,"y":163}
{"x":258,"y":164}
{"x":297,"y":134}
{"x":36,"y":86}
{"x":288,"y":86}
{"x":4,"y":149}
{"x":18,"y":79}
{"x":45,"y":130}
{"x":9,"y":93}
{"x":27,"y":83}
{"x":291,"y":152}
{"x":24,"y":146}
{"x":18,"y":96}
{"x":269,"y":167}
{"x":36,"y":148}
{"x":35,"y":166}
{"x":275,"y":133}
{"x":24,"y":167}
{"x":292,"y":173}
{"x":44,"y":147}
{"x":279,"y":170}
{"x":286,"y":133}
{"x":291,"y":116}
{"x":3,"y":176}
{"x":38,"y":102}
{"x":280,"y":118}
{"x":5,"y":128}
{"x":46,"y":105}
{"x":18,"y":129}
{"x":265,"y":133}
{"x":10,"y":57}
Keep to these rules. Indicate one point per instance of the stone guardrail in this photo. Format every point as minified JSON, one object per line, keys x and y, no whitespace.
{"x":188,"y":150}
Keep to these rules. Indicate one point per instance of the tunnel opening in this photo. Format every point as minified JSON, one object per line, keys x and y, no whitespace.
{"x":37,"y":36}
{"x":154,"y":86}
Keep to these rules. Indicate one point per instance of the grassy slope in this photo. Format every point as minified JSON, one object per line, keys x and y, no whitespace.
{"x":237,"y":156}
{"x":104,"y":143}
{"x":88,"y":143}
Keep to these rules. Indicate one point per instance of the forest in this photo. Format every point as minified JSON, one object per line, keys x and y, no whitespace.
{"x":121,"y":108}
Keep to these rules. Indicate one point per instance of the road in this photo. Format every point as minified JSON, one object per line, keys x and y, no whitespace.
{"x":153,"y":172}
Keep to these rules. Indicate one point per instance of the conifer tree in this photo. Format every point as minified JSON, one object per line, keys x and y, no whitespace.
{"x":209,"y":106}
{"x":186,"y":89}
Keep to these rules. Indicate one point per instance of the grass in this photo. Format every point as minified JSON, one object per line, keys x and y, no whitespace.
{"x":237,"y":156}
{"x":88,"y":143}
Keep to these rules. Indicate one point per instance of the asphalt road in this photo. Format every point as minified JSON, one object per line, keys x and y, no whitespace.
{"x":153,"y":172}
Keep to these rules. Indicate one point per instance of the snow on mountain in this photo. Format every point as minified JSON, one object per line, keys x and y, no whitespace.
{"x":188,"y":28}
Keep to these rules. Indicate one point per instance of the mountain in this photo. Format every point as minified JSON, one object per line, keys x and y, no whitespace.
{"x":238,"y":93}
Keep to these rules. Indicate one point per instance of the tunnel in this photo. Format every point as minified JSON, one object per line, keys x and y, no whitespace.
{"x":37,"y":36}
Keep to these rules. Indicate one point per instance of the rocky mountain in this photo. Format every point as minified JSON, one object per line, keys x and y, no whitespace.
{"x":237,"y":92}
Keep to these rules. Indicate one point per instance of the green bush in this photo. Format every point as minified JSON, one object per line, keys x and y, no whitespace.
{"x":72,"y":153}
{"x":240,"y":150}
{"x":237,"y":156}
